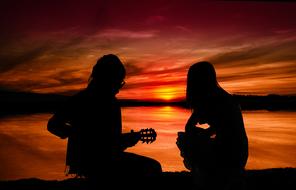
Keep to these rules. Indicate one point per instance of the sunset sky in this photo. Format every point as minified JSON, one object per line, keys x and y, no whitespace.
{"x":50,"y":46}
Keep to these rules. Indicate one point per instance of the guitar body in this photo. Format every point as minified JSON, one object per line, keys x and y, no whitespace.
{"x":76,"y":150}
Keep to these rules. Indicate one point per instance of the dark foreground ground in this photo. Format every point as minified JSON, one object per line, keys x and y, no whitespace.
{"x":269,"y":179}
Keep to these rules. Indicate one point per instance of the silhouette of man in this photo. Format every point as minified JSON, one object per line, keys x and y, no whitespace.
{"x":91,"y":120}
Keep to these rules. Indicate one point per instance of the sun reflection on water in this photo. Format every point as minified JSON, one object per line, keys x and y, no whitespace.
{"x":27,"y":149}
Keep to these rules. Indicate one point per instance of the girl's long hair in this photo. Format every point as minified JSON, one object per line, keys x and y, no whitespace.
{"x":201,"y":83}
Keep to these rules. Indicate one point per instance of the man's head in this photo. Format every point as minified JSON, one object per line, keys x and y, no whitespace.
{"x":108,"y":74}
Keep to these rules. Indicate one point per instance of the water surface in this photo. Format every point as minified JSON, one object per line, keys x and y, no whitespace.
{"x":27,"y":149}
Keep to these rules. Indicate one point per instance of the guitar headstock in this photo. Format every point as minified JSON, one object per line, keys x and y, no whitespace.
{"x":147,"y":135}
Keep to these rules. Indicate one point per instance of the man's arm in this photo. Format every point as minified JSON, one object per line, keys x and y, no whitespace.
{"x":129,"y":139}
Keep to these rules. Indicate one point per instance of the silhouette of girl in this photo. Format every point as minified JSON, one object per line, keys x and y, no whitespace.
{"x":91,"y":120}
{"x":216,"y":155}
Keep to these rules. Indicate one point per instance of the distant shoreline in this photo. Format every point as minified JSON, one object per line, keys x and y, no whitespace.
{"x":24,"y":102}
{"x":247,"y":102}
{"x":270,"y":179}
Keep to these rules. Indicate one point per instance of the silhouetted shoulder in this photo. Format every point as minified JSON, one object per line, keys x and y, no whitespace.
{"x":70,"y":103}
{"x":227,"y":101}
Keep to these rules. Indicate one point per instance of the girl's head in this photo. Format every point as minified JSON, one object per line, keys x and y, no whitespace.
{"x":201,"y":82}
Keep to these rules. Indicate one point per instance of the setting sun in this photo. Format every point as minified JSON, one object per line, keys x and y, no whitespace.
{"x":166,"y":93}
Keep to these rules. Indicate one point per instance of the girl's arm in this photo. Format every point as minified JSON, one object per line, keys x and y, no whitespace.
{"x":191,"y":123}
{"x":210,"y":131}
{"x":194,"y":120}
{"x":59,"y":126}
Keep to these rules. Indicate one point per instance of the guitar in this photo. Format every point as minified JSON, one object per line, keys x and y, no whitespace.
{"x":145,"y":135}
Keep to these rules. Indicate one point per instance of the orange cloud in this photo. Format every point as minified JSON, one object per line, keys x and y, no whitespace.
{"x":157,"y":47}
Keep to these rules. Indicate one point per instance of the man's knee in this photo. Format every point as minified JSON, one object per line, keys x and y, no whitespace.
{"x":155,"y":166}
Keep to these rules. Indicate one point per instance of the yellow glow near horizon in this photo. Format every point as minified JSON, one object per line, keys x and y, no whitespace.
{"x":165,"y":93}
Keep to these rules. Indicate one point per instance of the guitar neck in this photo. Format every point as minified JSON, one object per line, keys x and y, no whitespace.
{"x":144,"y":135}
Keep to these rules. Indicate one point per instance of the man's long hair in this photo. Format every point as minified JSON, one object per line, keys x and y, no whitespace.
{"x":108,"y":69}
